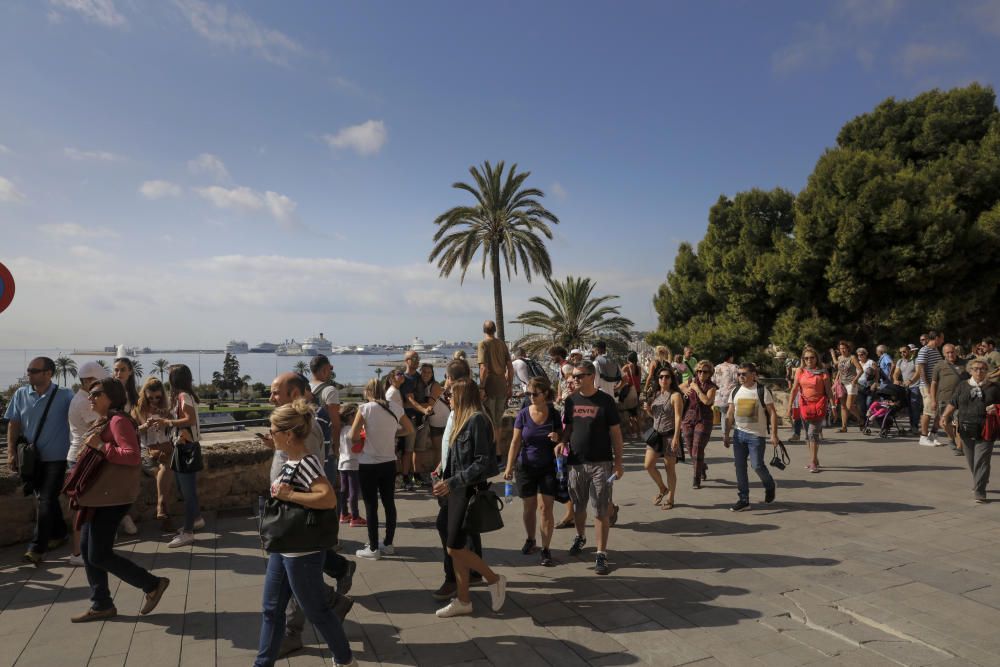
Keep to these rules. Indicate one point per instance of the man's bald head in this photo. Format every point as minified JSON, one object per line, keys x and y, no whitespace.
{"x":286,"y":388}
{"x":489,"y":327}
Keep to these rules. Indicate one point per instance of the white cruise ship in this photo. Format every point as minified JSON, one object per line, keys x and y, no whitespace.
{"x":289,"y":349}
{"x":316,"y":345}
{"x":237,"y":347}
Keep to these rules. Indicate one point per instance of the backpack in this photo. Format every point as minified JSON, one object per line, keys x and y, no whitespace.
{"x":534,"y":368}
{"x":616,"y":376}
{"x":322,"y":414}
{"x":760,"y":397}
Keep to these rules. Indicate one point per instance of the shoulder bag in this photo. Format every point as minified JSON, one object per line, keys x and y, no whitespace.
{"x":482,"y":515}
{"x":186,"y":457}
{"x":292,"y":528}
{"x":27,"y":452}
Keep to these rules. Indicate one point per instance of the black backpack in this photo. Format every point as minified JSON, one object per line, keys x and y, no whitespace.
{"x":322,"y":414}
{"x":616,"y":375}
{"x":534,"y":368}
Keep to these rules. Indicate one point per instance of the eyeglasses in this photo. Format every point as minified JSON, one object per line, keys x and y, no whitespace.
{"x":95,"y":394}
{"x":978,"y":369}
{"x":33,"y":371}
{"x":741,"y":375}
{"x":273,"y":432}
{"x":577,"y":376}
{"x":664,"y":377}
{"x":808,"y":358}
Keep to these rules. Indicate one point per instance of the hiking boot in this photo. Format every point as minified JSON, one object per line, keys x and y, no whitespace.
{"x":601,"y":564}
{"x":578,"y":543}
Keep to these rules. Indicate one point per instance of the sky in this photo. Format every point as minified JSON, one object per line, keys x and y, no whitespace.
{"x":181,"y":173}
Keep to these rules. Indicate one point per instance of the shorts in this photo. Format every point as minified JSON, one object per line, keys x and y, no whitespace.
{"x":406,"y":444}
{"x":663,"y":447}
{"x":850,"y":388}
{"x":954,"y":415}
{"x":925,"y":394}
{"x":437,"y":431}
{"x":422,"y":438}
{"x":530,"y":481}
{"x":494,"y":409}
{"x":590,"y":480}
{"x":455,"y":505}
{"x":814,"y":430}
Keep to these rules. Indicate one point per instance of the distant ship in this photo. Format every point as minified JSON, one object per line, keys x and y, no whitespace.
{"x":289,"y":349}
{"x":267,"y":348}
{"x":237,"y":347}
{"x":446,"y":349}
{"x":316,"y":345}
{"x":417,"y":345}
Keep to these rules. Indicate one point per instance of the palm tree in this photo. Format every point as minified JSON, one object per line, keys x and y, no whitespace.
{"x":102,"y":363}
{"x":573,"y":318}
{"x":137,"y":369}
{"x":300,"y":367}
{"x":507,"y":223}
{"x":161,"y":366}
{"x":65,"y":366}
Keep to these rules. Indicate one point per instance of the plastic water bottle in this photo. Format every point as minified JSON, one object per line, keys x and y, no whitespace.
{"x":560,"y":468}
{"x":508,"y":492}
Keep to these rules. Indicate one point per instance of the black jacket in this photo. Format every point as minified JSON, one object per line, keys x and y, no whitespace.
{"x":472,"y":456}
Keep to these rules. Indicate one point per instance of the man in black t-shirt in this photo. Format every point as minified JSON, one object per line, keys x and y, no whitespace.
{"x":592,"y":442}
{"x":414,"y":393}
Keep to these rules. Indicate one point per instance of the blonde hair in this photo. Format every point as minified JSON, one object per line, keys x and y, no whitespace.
{"x":347,"y":413}
{"x":807,"y":349}
{"x":663,"y":353}
{"x":142,"y":405}
{"x":703,"y":364}
{"x":465,"y":402}
{"x":297,"y":417}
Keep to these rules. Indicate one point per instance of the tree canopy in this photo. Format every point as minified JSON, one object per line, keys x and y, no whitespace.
{"x":896,"y":232}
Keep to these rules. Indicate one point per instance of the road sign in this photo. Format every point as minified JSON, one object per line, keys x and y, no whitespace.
{"x":6,"y":288}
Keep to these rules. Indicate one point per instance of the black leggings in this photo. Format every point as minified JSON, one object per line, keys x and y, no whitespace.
{"x":379,"y":479}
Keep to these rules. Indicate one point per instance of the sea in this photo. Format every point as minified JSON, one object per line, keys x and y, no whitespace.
{"x":353,"y":369}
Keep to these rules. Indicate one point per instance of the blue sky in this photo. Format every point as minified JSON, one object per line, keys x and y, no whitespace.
{"x":181,"y":173}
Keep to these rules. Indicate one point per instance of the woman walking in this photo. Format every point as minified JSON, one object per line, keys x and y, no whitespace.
{"x":471,"y":462}
{"x":725,"y":379}
{"x":976,"y":400}
{"x":184,"y":407}
{"x":848,"y":371}
{"x":666,"y":409}
{"x":382,"y":422}
{"x":156,"y":443}
{"x":696,"y":427}
{"x":105,"y":500}
{"x":123,"y":370}
{"x":532,"y":449}
{"x":437,"y":418}
{"x":301,"y":482}
{"x":347,"y":468}
{"x":628,"y":393}
{"x":814,"y":393}
{"x":660,"y":360}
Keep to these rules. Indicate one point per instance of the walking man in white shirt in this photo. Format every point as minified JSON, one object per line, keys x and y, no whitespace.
{"x":749,"y":410}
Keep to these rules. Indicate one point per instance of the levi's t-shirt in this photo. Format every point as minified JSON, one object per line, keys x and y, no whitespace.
{"x":590,"y":418}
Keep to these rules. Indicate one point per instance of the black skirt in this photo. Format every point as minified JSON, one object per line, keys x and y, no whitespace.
{"x":454,"y":506}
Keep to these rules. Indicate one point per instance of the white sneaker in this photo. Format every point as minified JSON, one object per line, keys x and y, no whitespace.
{"x":352,"y":663}
{"x":128,"y":525}
{"x":386,"y":549}
{"x":199,"y":523}
{"x":454,"y":608}
{"x":498,"y":593}
{"x":76,"y":560}
{"x":926,"y":442}
{"x":368,"y":553}
{"x":182,"y":539}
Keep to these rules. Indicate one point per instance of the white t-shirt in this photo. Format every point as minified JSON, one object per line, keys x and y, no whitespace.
{"x":348,"y":459}
{"x":750,"y":416}
{"x":380,"y":433}
{"x":864,"y":379}
{"x":521,"y":371}
{"x":330,"y":395}
{"x":602,"y":365}
{"x":186,"y":400}
{"x":81,"y":417}
{"x":395,"y":398}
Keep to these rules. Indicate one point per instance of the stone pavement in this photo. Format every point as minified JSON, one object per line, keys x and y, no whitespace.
{"x":882,"y":559}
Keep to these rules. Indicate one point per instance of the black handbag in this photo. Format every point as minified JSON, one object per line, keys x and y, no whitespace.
{"x":652,"y":437}
{"x":187,"y":458}
{"x":291,"y":528}
{"x":482,"y":515}
{"x":27,"y":452}
{"x":781,"y":459}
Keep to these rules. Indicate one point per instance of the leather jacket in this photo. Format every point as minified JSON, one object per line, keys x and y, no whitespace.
{"x":472,"y":456}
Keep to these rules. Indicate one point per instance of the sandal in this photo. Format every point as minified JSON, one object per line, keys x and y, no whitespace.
{"x":659,"y":497}
{"x":568,"y":523}
{"x":667,"y":506}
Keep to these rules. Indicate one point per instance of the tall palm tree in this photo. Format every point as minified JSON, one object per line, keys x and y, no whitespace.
{"x":65,"y":366}
{"x":300,"y":367}
{"x":573,"y":318}
{"x":102,"y":363}
{"x":507,"y":223}
{"x":137,"y":369}
{"x":161,"y":366}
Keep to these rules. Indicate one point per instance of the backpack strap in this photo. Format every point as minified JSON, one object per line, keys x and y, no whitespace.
{"x":386,"y":408}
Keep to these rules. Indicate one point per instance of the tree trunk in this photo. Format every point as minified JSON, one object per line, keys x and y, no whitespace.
{"x":497,"y":296}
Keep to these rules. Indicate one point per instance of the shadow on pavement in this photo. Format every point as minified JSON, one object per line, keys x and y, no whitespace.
{"x":691,"y":527}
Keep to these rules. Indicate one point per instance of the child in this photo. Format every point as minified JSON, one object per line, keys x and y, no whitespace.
{"x":350,"y":483}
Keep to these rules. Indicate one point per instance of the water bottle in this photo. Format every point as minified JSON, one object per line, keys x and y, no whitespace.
{"x":508,"y":492}
{"x":560,"y":468}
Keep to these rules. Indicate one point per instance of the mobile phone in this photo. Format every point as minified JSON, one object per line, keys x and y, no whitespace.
{"x":262,"y":436}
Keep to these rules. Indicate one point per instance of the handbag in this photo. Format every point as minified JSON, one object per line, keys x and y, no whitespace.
{"x":162,"y":452}
{"x":187,"y":458}
{"x":781,"y":459}
{"x":651,"y":437}
{"x":629,"y":397}
{"x":991,"y":427}
{"x":292,"y":528}
{"x":482,"y":514}
{"x":27,"y":452}
{"x":812,"y":410}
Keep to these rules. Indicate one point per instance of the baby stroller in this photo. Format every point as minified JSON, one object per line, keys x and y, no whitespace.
{"x":882,"y":413}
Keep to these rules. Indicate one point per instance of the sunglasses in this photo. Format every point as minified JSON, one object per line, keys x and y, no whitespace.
{"x":95,"y":394}
{"x":742,"y":375}
{"x":577,"y":376}
{"x":33,"y":371}
{"x":809,"y":357}
{"x":664,"y":377}
{"x":703,"y":372}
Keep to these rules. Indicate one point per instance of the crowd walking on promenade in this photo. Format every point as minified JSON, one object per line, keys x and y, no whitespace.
{"x":572,"y":416}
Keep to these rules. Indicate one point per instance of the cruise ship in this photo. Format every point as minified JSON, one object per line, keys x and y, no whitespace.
{"x":316,"y":345}
{"x":237,"y":347}
{"x":289,"y":349}
{"x":265,"y":347}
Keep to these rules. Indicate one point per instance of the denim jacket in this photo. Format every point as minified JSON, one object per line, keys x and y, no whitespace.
{"x":472,"y":457}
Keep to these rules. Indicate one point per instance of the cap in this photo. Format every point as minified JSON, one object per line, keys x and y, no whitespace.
{"x":92,"y":369}
{"x":576,"y":350}
{"x":913,"y":347}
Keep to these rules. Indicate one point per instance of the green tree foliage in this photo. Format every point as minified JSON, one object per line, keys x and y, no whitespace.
{"x":572,"y":317}
{"x":229,"y":379}
{"x":896,"y":232}
{"x":161,"y":365}
{"x":65,"y":366}
{"x":506,"y":224}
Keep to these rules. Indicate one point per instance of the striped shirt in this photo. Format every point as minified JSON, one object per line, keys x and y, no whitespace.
{"x":299,"y":474}
{"x":929,"y":357}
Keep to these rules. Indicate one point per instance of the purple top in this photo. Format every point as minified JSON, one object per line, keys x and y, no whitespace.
{"x":537,"y":451}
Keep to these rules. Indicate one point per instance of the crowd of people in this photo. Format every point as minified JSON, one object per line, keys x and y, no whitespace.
{"x":567,"y":448}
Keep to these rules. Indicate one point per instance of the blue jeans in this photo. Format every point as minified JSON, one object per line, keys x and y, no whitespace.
{"x":746,"y":445}
{"x":97,"y":542}
{"x":301,"y":576}
{"x":49,"y":524}
{"x":187,"y":483}
{"x":915,"y":406}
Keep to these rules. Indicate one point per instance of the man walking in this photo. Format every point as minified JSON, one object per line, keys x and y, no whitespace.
{"x":40,"y":413}
{"x":749,"y":410}
{"x":284,"y":389}
{"x":414,"y":393}
{"x":592,"y":441}
{"x":905,"y":376}
{"x":496,"y":375}
{"x":522,"y":372}
{"x":327,"y":399}
{"x":944,"y":381}
{"x":609,"y":374}
{"x":928,"y":358}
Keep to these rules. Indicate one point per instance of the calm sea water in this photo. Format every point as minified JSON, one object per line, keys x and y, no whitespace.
{"x":350,"y":368}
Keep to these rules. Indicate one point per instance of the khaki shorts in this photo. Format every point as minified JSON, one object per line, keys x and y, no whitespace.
{"x":925,"y":393}
{"x":590,"y":480}
{"x":494,"y":409}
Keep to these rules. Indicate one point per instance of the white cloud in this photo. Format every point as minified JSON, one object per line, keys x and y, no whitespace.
{"x":916,"y":57}
{"x":159,"y":189}
{"x":815,"y":45}
{"x":88,"y":253}
{"x":365,"y":139}
{"x":99,"y":156}
{"x":281,"y":207}
{"x":72,"y":230}
{"x":218,"y":24}
{"x":558,"y":191}
{"x":97,"y":11}
{"x":209,"y":164}
{"x":247,"y":200}
{"x":9,"y":192}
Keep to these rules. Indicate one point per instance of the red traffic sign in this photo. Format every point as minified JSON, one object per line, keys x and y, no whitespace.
{"x":6,"y":288}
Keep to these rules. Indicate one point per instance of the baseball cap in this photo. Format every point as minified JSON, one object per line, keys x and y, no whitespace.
{"x":92,"y":369}
{"x":576,"y":350}
{"x":913,"y":348}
